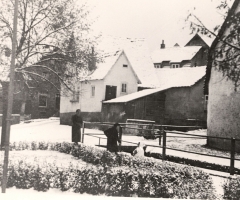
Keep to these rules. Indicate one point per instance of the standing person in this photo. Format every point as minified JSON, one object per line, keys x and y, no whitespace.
{"x":76,"y":126}
{"x":113,"y":138}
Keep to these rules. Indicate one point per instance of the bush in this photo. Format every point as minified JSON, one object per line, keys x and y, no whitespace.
{"x":110,"y":181}
{"x":231,"y":188}
{"x":145,"y":177}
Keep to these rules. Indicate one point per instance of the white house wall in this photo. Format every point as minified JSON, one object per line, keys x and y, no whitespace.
{"x":66,"y":105}
{"x":223,"y":110}
{"x":119,"y":74}
{"x":88,"y":102}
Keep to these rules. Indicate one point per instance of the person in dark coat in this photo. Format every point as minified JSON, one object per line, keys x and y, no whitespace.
{"x":76,"y":126}
{"x":113,"y":138}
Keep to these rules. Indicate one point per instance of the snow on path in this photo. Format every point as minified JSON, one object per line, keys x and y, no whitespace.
{"x":51,"y":130}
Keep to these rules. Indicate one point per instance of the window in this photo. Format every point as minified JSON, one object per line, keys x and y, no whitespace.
{"x":124,"y":88}
{"x":175,"y":66}
{"x":42,"y":100}
{"x":157,"y":65}
{"x":75,"y":96}
{"x":93,"y":91}
{"x":125,"y":65}
{"x":57,"y":101}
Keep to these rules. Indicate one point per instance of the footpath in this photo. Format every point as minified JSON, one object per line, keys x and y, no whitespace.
{"x":208,"y":159}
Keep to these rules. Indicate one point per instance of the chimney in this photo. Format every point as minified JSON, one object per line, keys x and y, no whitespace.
{"x":163,"y":45}
{"x":92,"y":60}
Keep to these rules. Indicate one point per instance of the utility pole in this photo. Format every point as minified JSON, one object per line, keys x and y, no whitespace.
{"x":10,"y":99}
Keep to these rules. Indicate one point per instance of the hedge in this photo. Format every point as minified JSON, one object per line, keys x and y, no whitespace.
{"x":144,"y":177}
{"x":231,"y":188}
{"x":108,"y":181}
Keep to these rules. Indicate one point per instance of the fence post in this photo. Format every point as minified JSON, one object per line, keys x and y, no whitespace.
{"x":160,"y":135}
{"x":83,"y":127}
{"x":164,"y":145}
{"x":120,"y":137}
{"x":232,"y":156}
{"x":99,"y":141}
{"x":152,"y":133}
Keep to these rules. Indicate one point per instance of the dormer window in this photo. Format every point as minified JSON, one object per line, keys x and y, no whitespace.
{"x":125,"y":65}
{"x":157,"y":66}
{"x":175,"y":65}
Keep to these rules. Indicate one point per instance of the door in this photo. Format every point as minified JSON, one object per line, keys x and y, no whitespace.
{"x":111,"y":92}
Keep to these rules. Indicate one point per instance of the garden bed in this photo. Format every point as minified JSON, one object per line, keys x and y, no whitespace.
{"x":121,"y":175}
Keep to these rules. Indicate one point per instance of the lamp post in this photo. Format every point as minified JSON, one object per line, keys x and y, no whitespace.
{"x":10,"y":99}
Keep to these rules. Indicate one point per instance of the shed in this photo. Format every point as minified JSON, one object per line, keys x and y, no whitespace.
{"x":178,"y":98}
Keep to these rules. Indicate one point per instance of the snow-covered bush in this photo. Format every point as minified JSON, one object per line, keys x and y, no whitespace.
{"x":231,"y":188}
{"x":110,"y":181}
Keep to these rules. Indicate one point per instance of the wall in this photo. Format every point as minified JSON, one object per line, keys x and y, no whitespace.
{"x":119,"y":74}
{"x":185,"y":103}
{"x":200,"y":58}
{"x":223,"y":111}
{"x":147,"y":108}
{"x":90,"y":103}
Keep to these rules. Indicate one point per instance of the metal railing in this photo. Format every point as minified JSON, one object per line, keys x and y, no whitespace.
{"x":164,"y":136}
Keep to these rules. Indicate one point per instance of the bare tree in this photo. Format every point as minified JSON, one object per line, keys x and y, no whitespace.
{"x":224,"y":56}
{"x":55,"y":31}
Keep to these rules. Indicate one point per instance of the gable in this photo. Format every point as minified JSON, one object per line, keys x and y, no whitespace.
{"x":197,"y":41}
{"x":122,"y":69}
{"x":104,"y":68}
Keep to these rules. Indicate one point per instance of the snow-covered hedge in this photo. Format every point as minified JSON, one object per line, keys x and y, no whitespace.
{"x":121,"y":175}
{"x":232,"y":188}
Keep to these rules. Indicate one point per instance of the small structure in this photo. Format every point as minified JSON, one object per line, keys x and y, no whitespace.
{"x":178,"y":97}
{"x":223,"y":101}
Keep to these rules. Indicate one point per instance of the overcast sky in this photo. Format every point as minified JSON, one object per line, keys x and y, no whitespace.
{"x":154,"y":20}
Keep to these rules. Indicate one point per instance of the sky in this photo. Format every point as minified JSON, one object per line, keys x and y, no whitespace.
{"x":154,"y":20}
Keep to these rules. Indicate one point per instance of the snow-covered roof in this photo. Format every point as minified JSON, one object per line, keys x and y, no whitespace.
{"x":138,"y":54}
{"x":133,"y":96}
{"x":207,"y":39}
{"x":104,"y":67}
{"x":168,"y":78}
{"x":175,"y":54}
{"x":180,"y":77}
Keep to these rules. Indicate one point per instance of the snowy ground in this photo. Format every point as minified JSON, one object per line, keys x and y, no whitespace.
{"x":51,"y":130}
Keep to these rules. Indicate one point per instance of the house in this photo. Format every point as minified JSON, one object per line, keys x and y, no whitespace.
{"x":115,"y":77}
{"x":193,"y":54}
{"x":223,"y":101}
{"x":178,"y":100}
{"x":37,"y":97}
